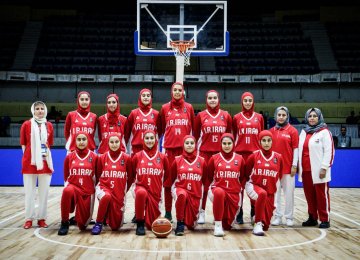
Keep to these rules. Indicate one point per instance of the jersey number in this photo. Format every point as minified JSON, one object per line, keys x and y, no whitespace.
{"x":227,"y":183}
{"x":264,"y":182}
{"x":149,"y":181}
{"x":247,"y":140}
{"x":81,"y":181}
{"x":189,"y":186}
{"x":112,"y":184}
{"x":215,"y":138}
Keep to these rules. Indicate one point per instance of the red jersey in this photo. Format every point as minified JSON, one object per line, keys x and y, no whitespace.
{"x":264,"y":172}
{"x":151,"y":173}
{"x":189,"y":176}
{"x":81,"y":171}
{"x":138,"y":122}
{"x":176,"y":124}
{"x":246,"y":132}
{"x":105,"y":129}
{"x":285,"y":140}
{"x":25,"y":137}
{"x":114,"y":176}
{"x":77,"y":123}
{"x":208,"y":129}
{"x":227,"y":174}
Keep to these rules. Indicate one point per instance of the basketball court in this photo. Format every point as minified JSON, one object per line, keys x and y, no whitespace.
{"x":340,"y":241}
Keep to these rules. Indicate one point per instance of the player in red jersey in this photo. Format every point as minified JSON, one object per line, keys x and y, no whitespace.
{"x":141,"y":119}
{"x":263,"y":170}
{"x":246,"y":126}
{"x":285,"y":142}
{"x":227,"y":174}
{"x":190,"y":176}
{"x":80,"y":120}
{"x":152,"y":173}
{"x":209,"y":126}
{"x":36,"y":137}
{"x":114,"y":175}
{"x":177,"y":120}
{"x":111,"y":122}
{"x":79,"y":177}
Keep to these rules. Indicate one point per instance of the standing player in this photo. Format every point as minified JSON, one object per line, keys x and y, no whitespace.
{"x":111,"y":122}
{"x":209,"y":126}
{"x":189,"y":173}
{"x":226,"y":173}
{"x":152,"y":173}
{"x":246,"y":126}
{"x":316,"y":156}
{"x":285,"y":141}
{"x":141,"y":119}
{"x":79,"y":177}
{"x":36,"y":137}
{"x":264,"y":169}
{"x":177,"y":120}
{"x":114,"y":175}
{"x":80,"y":120}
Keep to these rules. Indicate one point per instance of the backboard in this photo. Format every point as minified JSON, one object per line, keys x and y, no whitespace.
{"x":161,"y":21}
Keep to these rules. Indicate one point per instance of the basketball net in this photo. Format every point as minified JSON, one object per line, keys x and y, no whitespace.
{"x":183,"y":49}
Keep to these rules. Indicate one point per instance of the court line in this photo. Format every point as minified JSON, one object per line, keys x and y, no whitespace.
{"x":335,"y":213}
{"x":322,"y":236}
{"x":22,"y":212}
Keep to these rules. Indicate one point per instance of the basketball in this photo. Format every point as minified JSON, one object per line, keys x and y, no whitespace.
{"x":161,"y":227}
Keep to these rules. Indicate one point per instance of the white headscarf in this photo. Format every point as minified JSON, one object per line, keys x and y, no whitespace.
{"x":39,"y":137}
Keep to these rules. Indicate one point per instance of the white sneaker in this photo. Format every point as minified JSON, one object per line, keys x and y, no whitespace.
{"x":276,"y":222}
{"x":201,"y":219}
{"x":258,"y":229}
{"x":289,"y":222}
{"x":218,"y":230}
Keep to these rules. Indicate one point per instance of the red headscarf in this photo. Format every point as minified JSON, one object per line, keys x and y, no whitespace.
{"x":114,"y":154}
{"x":247,"y":113}
{"x":82,"y":152}
{"x":261,"y":135}
{"x":144,"y":108}
{"x":150,"y":151}
{"x":214,"y":110}
{"x":113,"y":116}
{"x":229,"y":155}
{"x":190,"y":157}
{"x":174,"y":103}
{"x":83,"y":111}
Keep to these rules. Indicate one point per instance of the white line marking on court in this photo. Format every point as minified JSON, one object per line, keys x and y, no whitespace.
{"x":22,"y":212}
{"x":335,"y":213}
{"x":322,"y":236}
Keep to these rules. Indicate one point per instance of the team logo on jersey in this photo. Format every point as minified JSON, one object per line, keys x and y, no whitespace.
{"x":73,"y":162}
{"x":113,"y":166}
{"x":214,"y":122}
{"x":158,"y":160}
{"x":142,"y":161}
{"x":152,"y":116}
{"x":198,"y":164}
{"x":106,"y":164}
{"x":119,"y":123}
{"x":182,"y":167}
{"x":275,"y":160}
{"x":90,"y":159}
{"x":236,"y":162}
{"x":222,"y":117}
{"x":104,"y":125}
{"x":144,"y":120}
{"x":220,"y":164}
{"x":241,"y":122}
{"x":150,"y":163}
{"x":256,"y":120}
{"x":206,"y":120}
{"x":122,"y":162}
{"x":137,"y":117}
{"x":81,"y":164}
{"x":258,"y":162}
{"x":91,"y":119}
{"x":185,"y":110}
{"x":84,"y":123}
{"x":76,"y":121}
{"x":228,"y":167}
{"x":267,"y":165}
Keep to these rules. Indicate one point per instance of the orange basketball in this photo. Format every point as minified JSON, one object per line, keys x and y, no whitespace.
{"x":161,"y":227}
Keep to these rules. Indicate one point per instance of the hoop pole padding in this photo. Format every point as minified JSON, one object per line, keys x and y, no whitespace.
{"x":180,"y":68}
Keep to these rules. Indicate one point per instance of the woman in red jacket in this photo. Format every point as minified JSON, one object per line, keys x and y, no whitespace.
{"x":263,"y":170}
{"x":177,"y":120}
{"x":36,"y":137}
{"x":226,"y":174}
{"x":210,"y":124}
{"x":190,"y":176}
{"x":79,"y":177}
{"x":111,"y":122}
{"x":141,"y":119}
{"x":246,"y":126}
{"x":80,"y":120}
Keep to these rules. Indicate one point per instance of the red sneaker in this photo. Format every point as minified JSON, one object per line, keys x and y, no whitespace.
{"x":42,"y":223}
{"x":28,"y":224}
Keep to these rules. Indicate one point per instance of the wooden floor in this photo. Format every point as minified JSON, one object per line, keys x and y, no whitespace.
{"x":341,"y":241}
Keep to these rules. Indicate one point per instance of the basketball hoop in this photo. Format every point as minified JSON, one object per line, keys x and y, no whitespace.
{"x":183,"y":49}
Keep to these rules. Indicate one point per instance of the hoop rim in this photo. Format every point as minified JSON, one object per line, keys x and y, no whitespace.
{"x":182,"y":45}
